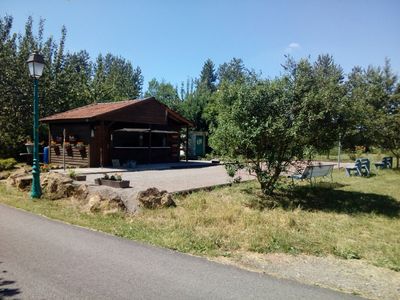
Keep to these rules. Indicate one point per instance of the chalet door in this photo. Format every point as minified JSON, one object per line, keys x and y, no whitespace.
{"x":199,"y":145}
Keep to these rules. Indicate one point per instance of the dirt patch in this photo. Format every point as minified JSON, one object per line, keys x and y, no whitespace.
{"x":351,"y":276}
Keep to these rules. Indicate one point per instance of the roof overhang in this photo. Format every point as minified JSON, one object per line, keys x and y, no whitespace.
{"x":59,"y":118}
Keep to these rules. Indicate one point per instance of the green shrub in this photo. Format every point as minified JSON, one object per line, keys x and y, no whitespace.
{"x":231,"y":169}
{"x":7,"y":164}
{"x":71,"y":174}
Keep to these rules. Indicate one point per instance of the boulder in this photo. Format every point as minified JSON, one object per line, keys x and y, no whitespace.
{"x":21,"y":172}
{"x":15,"y":178}
{"x":153,"y":198}
{"x":97,"y":199}
{"x":5,"y":174}
{"x":80,"y":195}
{"x":23,"y":182}
{"x":56,"y":186}
{"x":105,"y":202}
{"x":93,"y":204}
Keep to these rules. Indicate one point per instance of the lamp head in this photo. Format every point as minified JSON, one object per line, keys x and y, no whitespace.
{"x":36,"y":64}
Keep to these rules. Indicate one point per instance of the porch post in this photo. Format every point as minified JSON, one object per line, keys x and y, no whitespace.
{"x":102,"y":143}
{"x":64,"y":134}
{"x":49,"y":144}
{"x":150,"y":160}
{"x":187,"y":143}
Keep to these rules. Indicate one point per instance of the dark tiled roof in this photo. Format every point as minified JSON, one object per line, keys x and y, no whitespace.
{"x":99,"y":109}
{"x":91,"y":110}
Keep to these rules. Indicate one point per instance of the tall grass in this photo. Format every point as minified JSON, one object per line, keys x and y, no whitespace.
{"x":352,"y":218}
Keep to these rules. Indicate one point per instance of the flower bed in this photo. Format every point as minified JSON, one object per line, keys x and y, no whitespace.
{"x":114,"y":181}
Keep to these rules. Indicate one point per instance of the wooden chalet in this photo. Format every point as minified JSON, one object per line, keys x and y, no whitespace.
{"x":142,"y":130}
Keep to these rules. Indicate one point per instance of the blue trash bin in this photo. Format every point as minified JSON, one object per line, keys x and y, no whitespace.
{"x":46,"y":155}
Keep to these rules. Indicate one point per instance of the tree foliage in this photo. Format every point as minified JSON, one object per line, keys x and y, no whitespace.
{"x":261,"y":128}
{"x":164,"y":92}
{"x":374,"y":99}
{"x":69,"y":80}
{"x":208,"y":77}
{"x":268,"y":124}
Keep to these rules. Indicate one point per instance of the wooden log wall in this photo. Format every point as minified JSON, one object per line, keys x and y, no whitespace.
{"x":73,"y":156}
{"x":173,"y":141}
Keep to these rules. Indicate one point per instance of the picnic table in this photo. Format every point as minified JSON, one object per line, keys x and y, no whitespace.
{"x":361,"y":167}
{"x":386,"y":163}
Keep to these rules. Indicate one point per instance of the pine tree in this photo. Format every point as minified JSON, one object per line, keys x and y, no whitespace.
{"x":208,"y":76}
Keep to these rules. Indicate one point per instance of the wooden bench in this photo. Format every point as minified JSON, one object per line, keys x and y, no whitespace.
{"x":312,"y":171}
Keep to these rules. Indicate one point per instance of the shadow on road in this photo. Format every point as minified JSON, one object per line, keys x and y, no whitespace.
{"x":7,"y":287}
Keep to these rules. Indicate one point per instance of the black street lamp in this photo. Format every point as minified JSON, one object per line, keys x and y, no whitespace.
{"x":36,"y":64}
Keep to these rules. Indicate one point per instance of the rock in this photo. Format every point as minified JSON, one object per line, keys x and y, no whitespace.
{"x":56,"y":186}
{"x":167,"y":201}
{"x":105,"y":201}
{"x":13,"y":180}
{"x":81,"y":194}
{"x":23,"y":182}
{"x":20,"y":178}
{"x":93,"y":204}
{"x":5,"y":174}
{"x":153,"y":198}
{"x":97,"y":199}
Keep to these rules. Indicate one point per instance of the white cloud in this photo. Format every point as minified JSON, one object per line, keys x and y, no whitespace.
{"x":292,"y":47}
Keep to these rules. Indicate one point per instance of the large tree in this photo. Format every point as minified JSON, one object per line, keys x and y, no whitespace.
{"x":232,"y":71}
{"x":208,"y":77}
{"x":69,"y":80}
{"x":263,"y":127}
{"x":194,"y":102}
{"x":374,"y":103}
{"x":386,"y":120}
{"x":268,"y":124}
{"x":164,"y":92}
{"x":115,"y":79}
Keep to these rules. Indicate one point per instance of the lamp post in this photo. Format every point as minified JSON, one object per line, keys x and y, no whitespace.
{"x":36,"y":64}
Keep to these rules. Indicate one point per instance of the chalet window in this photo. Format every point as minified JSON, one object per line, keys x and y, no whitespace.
{"x":140,"y":138}
{"x":130,"y":139}
{"x":159,"y":140}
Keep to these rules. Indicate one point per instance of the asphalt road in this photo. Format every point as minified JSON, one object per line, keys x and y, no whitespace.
{"x":45,"y":259}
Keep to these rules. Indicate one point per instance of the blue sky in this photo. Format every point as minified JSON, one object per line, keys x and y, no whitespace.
{"x":171,"y":39}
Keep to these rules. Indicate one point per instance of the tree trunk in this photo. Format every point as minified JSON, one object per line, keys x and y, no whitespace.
{"x":397,"y":155}
{"x":267,"y":182}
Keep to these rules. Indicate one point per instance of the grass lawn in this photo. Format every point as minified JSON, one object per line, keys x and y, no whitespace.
{"x":375,"y":156}
{"x":352,"y":218}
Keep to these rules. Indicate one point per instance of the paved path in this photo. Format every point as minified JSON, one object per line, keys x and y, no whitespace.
{"x":45,"y":259}
{"x":171,"y":180}
{"x":162,"y":176}
{"x":174,"y":180}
